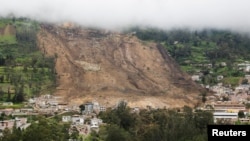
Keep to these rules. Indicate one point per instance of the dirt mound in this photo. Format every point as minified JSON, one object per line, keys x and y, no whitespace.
{"x":109,"y":67}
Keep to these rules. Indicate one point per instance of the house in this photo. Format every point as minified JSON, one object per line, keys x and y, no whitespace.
{"x":41,"y":104}
{"x":18,"y":112}
{"x":223,"y":64}
{"x":220,"y":77}
{"x":66,"y":118}
{"x":136,"y":110}
{"x":7,"y":103}
{"x":20,"y":123}
{"x":32,"y":101}
{"x":62,"y":106}
{"x":211,"y":97}
{"x":102,"y":108}
{"x":89,"y":108}
{"x":47,"y":96}
{"x":24,"y":126}
{"x":195,"y":77}
{"x":224,"y":116}
{"x":244,"y":66}
{"x":8,"y":111}
{"x":247,"y":69}
{"x":77,"y":119}
{"x":96,"y":106}
{"x":242,"y":88}
{"x":26,"y":110}
{"x":52,"y":102}
{"x":244,"y":120}
{"x":247,"y":76}
{"x":6,"y":124}
{"x":49,"y":110}
{"x":229,"y":107}
{"x":95,"y":122}
{"x":208,"y":65}
{"x":74,"y":108}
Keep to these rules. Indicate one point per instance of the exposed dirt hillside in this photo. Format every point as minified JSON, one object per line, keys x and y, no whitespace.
{"x":8,"y":30}
{"x":109,"y":67}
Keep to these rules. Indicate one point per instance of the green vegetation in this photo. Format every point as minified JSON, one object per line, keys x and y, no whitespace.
{"x":42,"y":130}
{"x":151,"y":125}
{"x":124,"y":125}
{"x":7,"y":39}
{"x":24,"y":70}
{"x":14,"y":106}
{"x":208,"y":52}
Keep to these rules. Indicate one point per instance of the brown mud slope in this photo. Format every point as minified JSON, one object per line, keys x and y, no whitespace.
{"x":8,"y":30}
{"x":110,"y":67}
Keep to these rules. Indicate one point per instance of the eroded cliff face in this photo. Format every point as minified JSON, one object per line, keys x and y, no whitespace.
{"x":109,"y":67}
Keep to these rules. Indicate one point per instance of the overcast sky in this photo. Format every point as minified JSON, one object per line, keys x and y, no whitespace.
{"x":112,"y":14}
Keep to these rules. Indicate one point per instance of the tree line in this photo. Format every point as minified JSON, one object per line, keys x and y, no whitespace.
{"x":152,"y":125}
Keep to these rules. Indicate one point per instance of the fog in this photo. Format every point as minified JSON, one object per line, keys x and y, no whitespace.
{"x":117,"y":14}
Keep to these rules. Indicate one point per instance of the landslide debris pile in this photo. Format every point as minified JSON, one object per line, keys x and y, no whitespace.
{"x":109,"y":67}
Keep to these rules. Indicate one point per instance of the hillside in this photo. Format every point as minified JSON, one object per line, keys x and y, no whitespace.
{"x":207,"y":53}
{"x":7,"y":34}
{"x":24,"y":71}
{"x":109,"y":67}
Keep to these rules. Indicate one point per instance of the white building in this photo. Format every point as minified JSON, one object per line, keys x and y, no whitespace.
{"x":66,"y":118}
{"x":224,"y":115}
{"x":102,"y":108}
{"x":7,"y":103}
{"x":77,"y":119}
{"x":95,"y":122}
{"x":223,"y":64}
{"x":247,"y":69}
{"x":195,"y":77}
{"x":89,"y":108}
{"x":220,"y":77}
{"x":242,"y":88}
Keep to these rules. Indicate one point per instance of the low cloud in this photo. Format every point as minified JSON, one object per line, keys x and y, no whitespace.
{"x":116,"y":14}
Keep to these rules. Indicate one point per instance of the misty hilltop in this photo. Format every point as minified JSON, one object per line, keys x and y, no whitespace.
{"x":120,"y":14}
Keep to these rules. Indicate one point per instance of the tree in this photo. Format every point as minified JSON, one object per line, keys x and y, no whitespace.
{"x":82,"y":107}
{"x":247,"y":105}
{"x":74,"y":133}
{"x":46,"y":130}
{"x":19,"y":94}
{"x":6,"y":135}
{"x":1,"y":92}
{"x":9,"y":96}
{"x":204,"y":99}
{"x":241,"y":114}
{"x":202,"y":119}
{"x":1,"y":78}
{"x":114,"y":133}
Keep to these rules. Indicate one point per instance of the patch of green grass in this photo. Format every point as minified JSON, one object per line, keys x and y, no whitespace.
{"x":2,"y":24}
{"x":14,"y":106}
{"x":7,"y":39}
{"x":198,"y":58}
{"x":233,"y":81}
{"x":189,"y":69}
{"x":222,"y":70}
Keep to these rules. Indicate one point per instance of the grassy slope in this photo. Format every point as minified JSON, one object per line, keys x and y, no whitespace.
{"x":190,"y":50}
{"x":34,"y":78}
